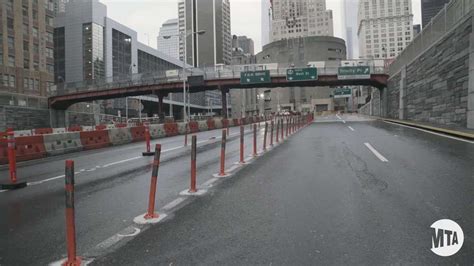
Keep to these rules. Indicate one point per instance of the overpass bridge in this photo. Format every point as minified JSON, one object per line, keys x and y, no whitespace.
{"x":224,"y":79}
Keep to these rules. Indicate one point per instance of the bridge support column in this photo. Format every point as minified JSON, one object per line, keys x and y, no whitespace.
{"x":161,"y":114}
{"x":401,"y":101}
{"x":58,"y":118}
{"x":224,"y":102}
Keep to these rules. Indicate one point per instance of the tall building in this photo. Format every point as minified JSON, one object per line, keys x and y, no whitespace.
{"x":26,"y":47}
{"x":300,"y":18}
{"x":350,"y":28}
{"x":429,"y":9}
{"x":168,"y":39}
{"x":215,"y":45}
{"x":385,"y":28}
{"x":244,"y":43}
{"x":266,"y":21}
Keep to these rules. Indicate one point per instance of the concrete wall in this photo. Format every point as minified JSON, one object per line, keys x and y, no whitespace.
{"x":435,"y":86}
{"x":20,"y":118}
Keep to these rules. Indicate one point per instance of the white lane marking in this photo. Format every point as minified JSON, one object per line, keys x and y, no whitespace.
{"x":431,"y":132}
{"x":375,"y":152}
{"x":171,"y":149}
{"x":3,"y":191}
{"x":209,"y":182}
{"x":344,"y":121}
{"x":173,"y":204}
{"x":109,"y":242}
{"x":122,"y":161}
{"x":350,"y":128}
{"x":45,"y":180}
{"x":338,"y":117}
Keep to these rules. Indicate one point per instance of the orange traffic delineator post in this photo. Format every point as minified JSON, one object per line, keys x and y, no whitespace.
{"x":281,"y":129}
{"x":222,"y":163}
{"x":271,"y":133}
{"x":254,"y":140}
{"x":265,"y":137}
{"x":147,"y":140}
{"x":242,"y":160}
{"x":186,"y":135}
{"x":192,"y":188}
{"x":11,"y":152}
{"x":277,"y":133}
{"x":154,"y":178}
{"x":286,"y":133}
{"x":72,"y":258}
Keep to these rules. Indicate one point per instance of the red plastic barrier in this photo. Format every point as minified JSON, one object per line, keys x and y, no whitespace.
{"x":225,"y":123}
{"x":236,"y":122}
{"x":30,"y":148}
{"x":122,"y":125}
{"x":193,"y":127}
{"x":138,"y":133}
{"x":210,"y":124}
{"x":171,"y":129}
{"x":100,"y":127}
{"x":95,"y":139}
{"x":43,"y":131}
{"x":74,"y":129}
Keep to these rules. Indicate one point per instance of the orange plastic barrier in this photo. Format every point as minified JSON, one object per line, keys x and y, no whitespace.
{"x":94,"y":139}
{"x":138,"y":133}
{"x":225,"y":123}
{"x":171,"y":129}
{"x":193,"y":127}
{"x":74,"y":129}
{"x":43,"y":131}
{"x":210,"y":124}
{"x":101,"y":127}
{"x":30,"y":148}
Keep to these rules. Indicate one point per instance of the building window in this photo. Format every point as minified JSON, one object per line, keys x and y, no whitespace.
{"x":35,"y":32}
{"x":93,"y":51}
{"x":49,"y":53}
{"x":11,"y":61}
{"x":10,"y":23}
{"x":59,"y":55}
{"x":121,"y":53}
{"x":11,"y":43}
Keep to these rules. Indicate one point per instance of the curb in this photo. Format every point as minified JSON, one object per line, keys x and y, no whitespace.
{"x":455,"y":133}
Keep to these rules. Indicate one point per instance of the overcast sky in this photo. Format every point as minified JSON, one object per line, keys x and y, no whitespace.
{"x":146,"y":16}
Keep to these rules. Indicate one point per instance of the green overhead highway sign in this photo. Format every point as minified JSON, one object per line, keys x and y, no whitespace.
{"x":342,"y":93}
{"x":301,"y":74}
{"x":354,"y":72}
{"x":255,"y":77}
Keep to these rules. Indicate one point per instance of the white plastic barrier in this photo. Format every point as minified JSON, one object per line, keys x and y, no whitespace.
{"x":157,"y":131}
{"x":22,"y":133}
{"x":88,"y":128}
{"x":62,"y":143}
{"x":202,"y":125}
{"x":119,"y":136}
{"x":110,"y":126}
{"x":217,"y":122}
{"x":182,"y":128}
{"x":59,"y":130}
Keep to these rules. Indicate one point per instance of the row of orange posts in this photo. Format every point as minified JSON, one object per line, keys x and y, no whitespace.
{"x":292,"y":125}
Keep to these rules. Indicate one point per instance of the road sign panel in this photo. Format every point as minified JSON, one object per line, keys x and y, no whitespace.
{"x":255,"y":77}
{"x":342,"y":93}
{"x":354,"y":72}
{"x":301,"y":74}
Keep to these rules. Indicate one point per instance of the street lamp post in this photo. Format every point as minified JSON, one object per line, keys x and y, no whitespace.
{"x":182,"y":37}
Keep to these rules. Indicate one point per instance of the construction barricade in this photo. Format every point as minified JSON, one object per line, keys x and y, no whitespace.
{"x":157,"y":131}
{"x":138,"y":133}
{"x":203,"y":125}
{"x":118,"y":136}
{"x":30,"y":148}
{"x":95,"y":139}
{"x":171,"y":129}
{"x":56,"y":144}
{"x":193,"y":127}
{"x":43,"y":131}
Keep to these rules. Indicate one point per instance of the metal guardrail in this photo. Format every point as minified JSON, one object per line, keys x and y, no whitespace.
{"x":144,"y":79}
{"x":443,"y":22}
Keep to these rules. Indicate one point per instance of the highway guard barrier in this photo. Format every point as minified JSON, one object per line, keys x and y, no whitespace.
{"x":95,"y":139}
{"x":118,"y":136}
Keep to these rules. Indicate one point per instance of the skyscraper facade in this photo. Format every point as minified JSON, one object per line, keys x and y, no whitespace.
{"x":350,"y":28}
{"x":26,"y":47}
{"x":215,"y":45}
{"x":244,"y":43}
{"x":385,"y":27}
{"x":429,"y":9}
{"x":266,"y":21}
{"x":300,"y":18}
{"x":168,"y":39}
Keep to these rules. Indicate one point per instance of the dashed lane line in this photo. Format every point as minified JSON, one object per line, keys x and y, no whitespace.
{"x":375,"y":152}
{"x":352,"y":129}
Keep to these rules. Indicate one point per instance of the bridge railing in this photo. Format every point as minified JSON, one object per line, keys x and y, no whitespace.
{"x":211,"y":73}
{"x":443,"y":22}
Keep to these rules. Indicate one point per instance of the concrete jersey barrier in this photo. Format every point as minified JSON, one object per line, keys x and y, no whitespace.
{"x":56,"y":144}
{"x":119,"y":136}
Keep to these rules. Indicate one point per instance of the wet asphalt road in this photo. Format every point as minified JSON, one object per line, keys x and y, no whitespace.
{"x":111,"y":189}
{"x":323,"y":198}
